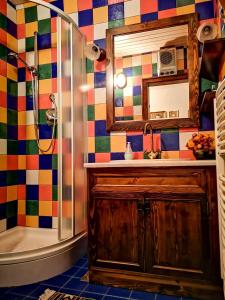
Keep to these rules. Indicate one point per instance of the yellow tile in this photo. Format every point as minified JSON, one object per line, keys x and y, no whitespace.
{"x":128,"y":101}
{"x":118,"y":143}
{"x":118,"y":111}
{"x":170,"y":154}
{"x":32,"y":221}
{"x":100,"y":111}
{"x":146,"y":59}
{"x":45,"y":177}
{"x":180,"y":64}
{"x":45,"y":56}
{"x":22,"y":118}
{"x":100,"y":14}
{"x":3,"y":115}
{"x":30,"y":28}
{"x":12,"y":72}
{"x":20,"y":16}
{"x":30,"y":132}
{"x":127,"y":62}
{"x":138,"y":118}
{"x":21,"y":162}
{"x":54,"y":40}
{"x":70,"y":6}
{"x":44,"y":144}
{"x":21,"y":207}
{"x":12,"y":192}
{"x":45,"y":208}
{"x":12,"y":43}
{"x":132,"y":20}
{"x":3,"y":84}
{"x":45,"y":86}
{"x":91,"y":144}
{"x":90,"y":80}
{"x":29,"y":4}
{"x":187,"y":9}
{"x":3,"y":162}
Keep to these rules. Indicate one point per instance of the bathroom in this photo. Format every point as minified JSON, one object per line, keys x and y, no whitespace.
{"x":69,"y":146}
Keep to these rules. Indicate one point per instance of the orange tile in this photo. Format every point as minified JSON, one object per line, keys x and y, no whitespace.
{"x":32,"y":162}
{"x":102,"y":157}
{"x":54,"y":24}
{"x":3,"y":99}
{"x":3,"y":66}
{"x":55,"y":208}
{"x":88,"y":31}
{"x":91,"y":128}
{"x":32,"y":221}
{"x":148,"y":6}
{"x":167,"y":13}
{"x":45,"y":192}
{"x":3,"y":162}
{"x":44,"y":101}
{"x":21,"y":220}
{"x":187,"y":154}
{"x":21,"y":103}
{"x":21,"y":188}
{"x":22,"y":132}
{"x":21,"y":31}
{"x":12,"y":193}
{"x":90,"y":96}
{"x":83,"y":5}
{"x":12,"y":162}
{"x":21,"y":162}
{"x":3,"y":193}
{"x":45,"y":208}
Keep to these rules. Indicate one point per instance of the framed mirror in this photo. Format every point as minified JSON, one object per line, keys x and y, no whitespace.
{"x":145,"y":62}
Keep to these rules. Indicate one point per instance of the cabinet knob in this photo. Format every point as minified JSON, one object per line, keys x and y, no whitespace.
{"x":147,"y":207}
{"x":140,"y":206}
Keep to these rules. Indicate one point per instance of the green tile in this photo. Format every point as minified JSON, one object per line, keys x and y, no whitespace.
{"x":137,"y":100}
{"x":44,"y":26}
{"x":127,"y":118}
{"x":89,"y":66}
{"x":170,"y":130}
{"x":12,"y":177}
{"x":102,"y":144}
{"x":12,"y":88}
{"x":118,"y":93}
{"x":54,"y":161}
{"x":3,"y":52}
{"x":12,"y":117}
{"x":30,"y":44}
{"x":154,"y":69}
{"x":136,"y":70}
{"x":31,"y":14}
{"x":3,"y":131}
{"x":31,"y":147}
{"x":91,"y":112}
{"x":54,"y":192}
{"x":206,"y":84}
{"x":11,"y":209}
{"x":184,"y":2}
{"x":29,"y":88}
{"x":45,"y":71}
{"x":12,"y":147}
{"x":3,"y":22}
{"x":32,"y":207}
{"x":42,"y":116}
{"x":116,"y":23}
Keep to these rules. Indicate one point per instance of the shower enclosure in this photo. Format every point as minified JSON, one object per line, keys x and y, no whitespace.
{"x":46,"y":251}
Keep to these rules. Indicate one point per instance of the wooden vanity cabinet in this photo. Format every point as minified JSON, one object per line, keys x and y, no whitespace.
{"x":155,"y":229}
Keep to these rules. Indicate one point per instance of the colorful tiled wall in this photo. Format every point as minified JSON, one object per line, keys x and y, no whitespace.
{"x":9,"y":175}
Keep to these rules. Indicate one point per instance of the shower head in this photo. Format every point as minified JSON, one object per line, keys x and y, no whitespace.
{"x":30,"y":68}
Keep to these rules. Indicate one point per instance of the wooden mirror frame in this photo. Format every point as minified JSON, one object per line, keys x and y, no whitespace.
{"x":193,"y":70}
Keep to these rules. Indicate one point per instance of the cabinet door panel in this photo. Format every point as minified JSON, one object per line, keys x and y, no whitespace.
{"x":116,"y":229}
{"x":176,"y":240}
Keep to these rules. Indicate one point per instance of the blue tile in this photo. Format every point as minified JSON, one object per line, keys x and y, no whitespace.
{"x":71,"y":272}
{"x":136,"y":142}
{"x":75,"y":284}
{"x":69,"y":291}
{"x":44,"y":41}
{"x":170,"y":141}
{"x":149,"y":17}
{"x":59,"y":4}
{"x":41,"y":288}
{"x":80,"y":273}
{"x":3,"y":178}
{"x":12,"y":132}
{"x":142,"y":295}
{"x":45,"y":161}
{"x":162,"y":4}
{"x":58,"y":281}
{"x":101,"y":43}
{"x":91,"y":157}
{"x":45,"y":131}
{"x":206,"y":121}
{"x":165,"y":297}
{"x":24,"y":290}
{"x":12,"y":102}
{"x":54,"y":70}
{"x":21,"y":176}
{"x":205,"y":10}
{"x":54,"y":177}
{"x":13,"y":297}
{"x":11,"y":222}
{"x":21,"y":74}
{"x":128,"y":71}
{"x":45,"y":222}
{"x":85,"y":17}
{"x":136,"y":90}
{"x":125,"y":293}
{"x":2,"y":211}
{"x":117,"y":155}
{"x":99,"y":79}
{"x":29,"y":102}
{"x":118,"y":102}
{"x":21,"y":147}
{"x":95,"y":288}
{"x":11,"y":28}
{"x":100,"y":128}
{"x":112,"y":298}
{"x":91,"y":295}
{"x":116,"y":11}
{"x":32,"y":192}
{"x":98,"y":3}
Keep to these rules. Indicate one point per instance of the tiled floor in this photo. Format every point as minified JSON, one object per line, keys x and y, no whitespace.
{"x":70,"y":283}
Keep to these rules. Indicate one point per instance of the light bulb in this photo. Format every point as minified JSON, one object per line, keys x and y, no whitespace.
{"x":121,"y":80}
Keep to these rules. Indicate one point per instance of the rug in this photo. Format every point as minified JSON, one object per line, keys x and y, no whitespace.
{"x":53,"y":295}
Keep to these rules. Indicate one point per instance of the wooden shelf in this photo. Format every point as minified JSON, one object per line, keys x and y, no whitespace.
{"x":213,"y":51}
{"x":206,"y":105}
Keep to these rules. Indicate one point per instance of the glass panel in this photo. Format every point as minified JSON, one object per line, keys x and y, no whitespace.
{"x":65,"y":131}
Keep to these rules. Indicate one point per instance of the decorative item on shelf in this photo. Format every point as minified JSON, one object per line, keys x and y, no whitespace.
{"x":206,"y":31}
{"x":129,"y":153}
{"x":152,"y":154}
{"x":202,"y":145}
{"x":158,"y":115}
{"x":174,"y":114}
{"x":94,"y":52}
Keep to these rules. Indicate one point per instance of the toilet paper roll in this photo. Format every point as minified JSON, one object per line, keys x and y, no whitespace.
{"x":206,"y":31}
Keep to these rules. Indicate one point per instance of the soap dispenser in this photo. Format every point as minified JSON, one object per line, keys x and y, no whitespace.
{"x":128,"y":154}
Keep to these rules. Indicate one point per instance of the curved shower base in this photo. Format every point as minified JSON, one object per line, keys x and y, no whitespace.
{"x":29,"y":261}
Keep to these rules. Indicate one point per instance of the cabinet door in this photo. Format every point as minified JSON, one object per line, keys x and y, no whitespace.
{"x":177,"y":241}
{"x":116,"y":227}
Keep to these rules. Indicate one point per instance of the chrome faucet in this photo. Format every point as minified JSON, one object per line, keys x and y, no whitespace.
{"x":152,"y":154}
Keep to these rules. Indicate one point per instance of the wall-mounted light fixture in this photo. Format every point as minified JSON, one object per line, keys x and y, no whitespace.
{"x":120,"y":80}
{"x":94,"y":52}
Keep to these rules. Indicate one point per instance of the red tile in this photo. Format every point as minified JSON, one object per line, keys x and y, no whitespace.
{"x":148,"y":6}
{"x":91,"y":128}
{"x":55,"y":208}
{"x":21,"y":220}
{"x":45,"y":192}
{"x":20,"y":64}
{"x":99,"y":66}
{"x":44,"y":101}
{"x":22,"y":132}
{"x":188,"y":129}
{"x":128,"y":111}
{"x":118,"y":63}
{"x":32,"y":162}
{"x":54,"y":85}
{"x":134,"y":133}
{"x":3,"y":67}
{"x":88,"y":31}
{"x":53,"y":25}
{"x":102,"y":157}
{"x":147,"y":142}
{"x":3,"y":7}
{"x":167,"y":13}
{"x":21,"y":191}
{"x":12,"y":162}
{"x":3,"y":99}
{"x":83,"y":5}
{"x":21,"y":103}
{"x":90,"y":96}
{"x":3,"y":193}
{"x":54,"y":55}
{"x":3,"y":37}
{"x":186,"y":154}
{"x":138,"y":155}
{"x":21,"y":31}
{"x":147,"y":69}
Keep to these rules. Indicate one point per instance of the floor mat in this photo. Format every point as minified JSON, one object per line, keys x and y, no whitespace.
{"x":53,"y":295}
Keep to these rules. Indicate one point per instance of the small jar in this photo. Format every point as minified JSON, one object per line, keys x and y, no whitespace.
{"x":129,"y":153}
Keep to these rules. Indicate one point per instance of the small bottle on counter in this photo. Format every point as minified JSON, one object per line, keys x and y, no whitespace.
{"x":129,"y":153}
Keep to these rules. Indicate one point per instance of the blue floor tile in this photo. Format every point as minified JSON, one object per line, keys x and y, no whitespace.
{"x":24,"y":290}
{"x":80,"y":273}
{"x":94,"y":288}
{"x":71,"y":272}
{"x":119,"y":292}
{"x":142,"y":295}
{"x":75,"y":284}
{"x":92,"y":295}
{"x":40,"y":290}
{"x":58,"y":281}
{"x":165,"y":297}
